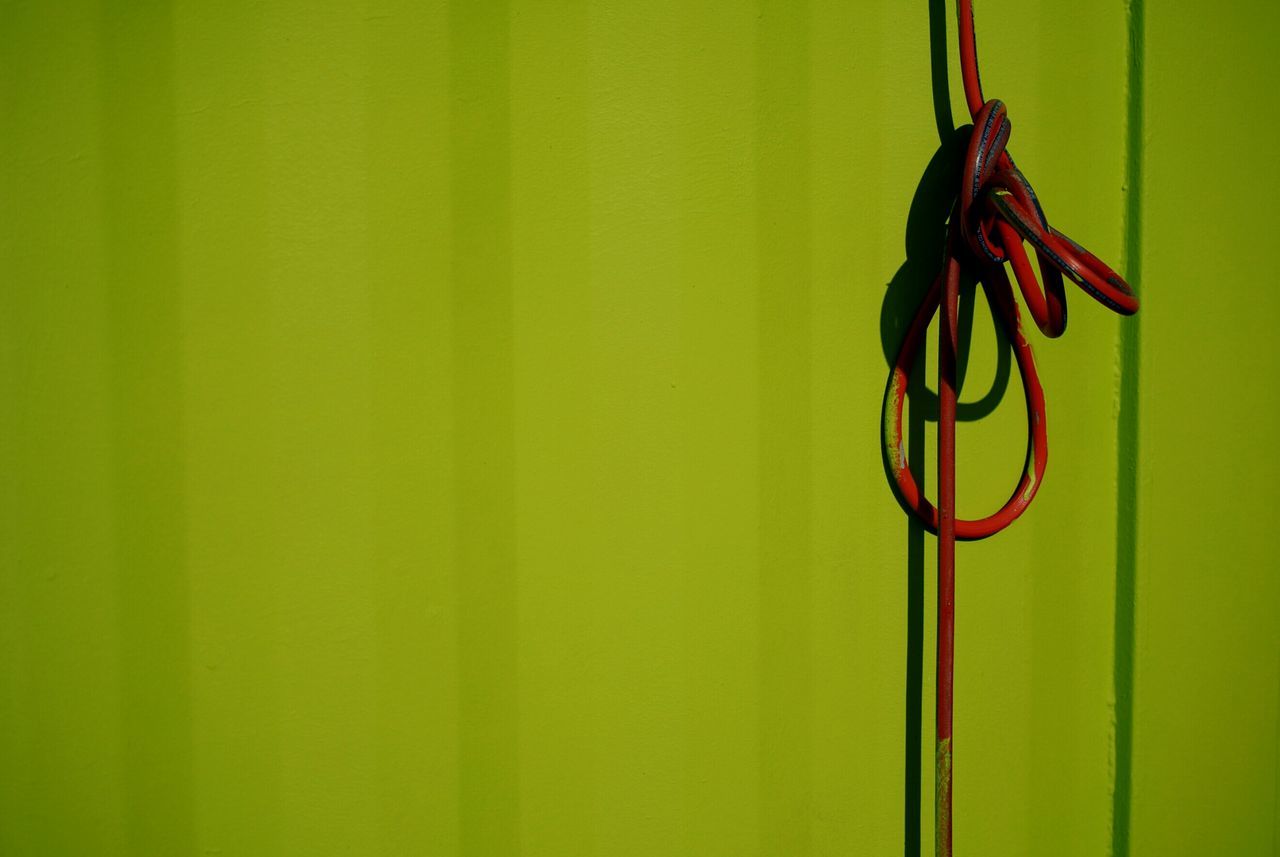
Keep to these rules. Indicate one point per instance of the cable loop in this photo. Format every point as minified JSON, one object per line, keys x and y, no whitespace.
{"x":996,"y":212}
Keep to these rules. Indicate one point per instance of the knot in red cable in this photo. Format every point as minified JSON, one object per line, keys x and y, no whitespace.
{"x":999,"y":210}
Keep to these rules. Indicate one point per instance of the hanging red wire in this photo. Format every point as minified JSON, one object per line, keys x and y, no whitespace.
{"x":996,"y":211}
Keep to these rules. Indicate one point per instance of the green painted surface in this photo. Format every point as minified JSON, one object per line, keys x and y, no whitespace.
{"x":453,"y":430}
{"x":1206,"y":702}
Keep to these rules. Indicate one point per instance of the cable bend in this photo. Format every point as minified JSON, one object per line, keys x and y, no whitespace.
{"x":996,"y":212}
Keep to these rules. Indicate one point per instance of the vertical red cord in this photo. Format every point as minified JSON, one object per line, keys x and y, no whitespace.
{"x":948,"y":334}
{"x":969,"y":57}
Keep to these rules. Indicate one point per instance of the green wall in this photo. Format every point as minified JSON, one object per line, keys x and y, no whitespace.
{"x":453,"y":430}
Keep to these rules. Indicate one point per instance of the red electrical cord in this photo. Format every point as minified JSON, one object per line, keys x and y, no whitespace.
{"x":995,"y":212}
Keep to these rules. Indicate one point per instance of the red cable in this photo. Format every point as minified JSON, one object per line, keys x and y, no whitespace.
{"x":995,"y":212}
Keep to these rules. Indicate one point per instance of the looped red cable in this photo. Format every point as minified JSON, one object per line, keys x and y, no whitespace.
{"x":995,"y":213}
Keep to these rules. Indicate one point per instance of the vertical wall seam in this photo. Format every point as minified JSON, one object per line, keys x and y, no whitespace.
{"x":1127,"y":446}
{"x":147,"y":440}
{"x":484,"y":439}
{"x":784,"y":166}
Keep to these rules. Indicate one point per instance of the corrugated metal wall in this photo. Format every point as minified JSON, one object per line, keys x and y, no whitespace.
{"x":453,"y":430}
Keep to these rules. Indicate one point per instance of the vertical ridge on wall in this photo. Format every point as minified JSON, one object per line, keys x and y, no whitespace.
{"x":561,"y":768}
{"x":866,"y":130}
{"x":634,"y":536}
{"x":783,"y":291}
{"x":61,"y":753}
{"x":1128,"y":359}
{"x":232,"y":459}
{"x":143,"y":281}
{"x":1207,"y":643}
{"x":407,"y":180}
{"x":319,"y":425}
{"x":480,"y":200}
{"x":717,"y":386}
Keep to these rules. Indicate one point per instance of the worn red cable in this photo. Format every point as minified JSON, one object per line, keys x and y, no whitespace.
{"x":996,"y":211}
